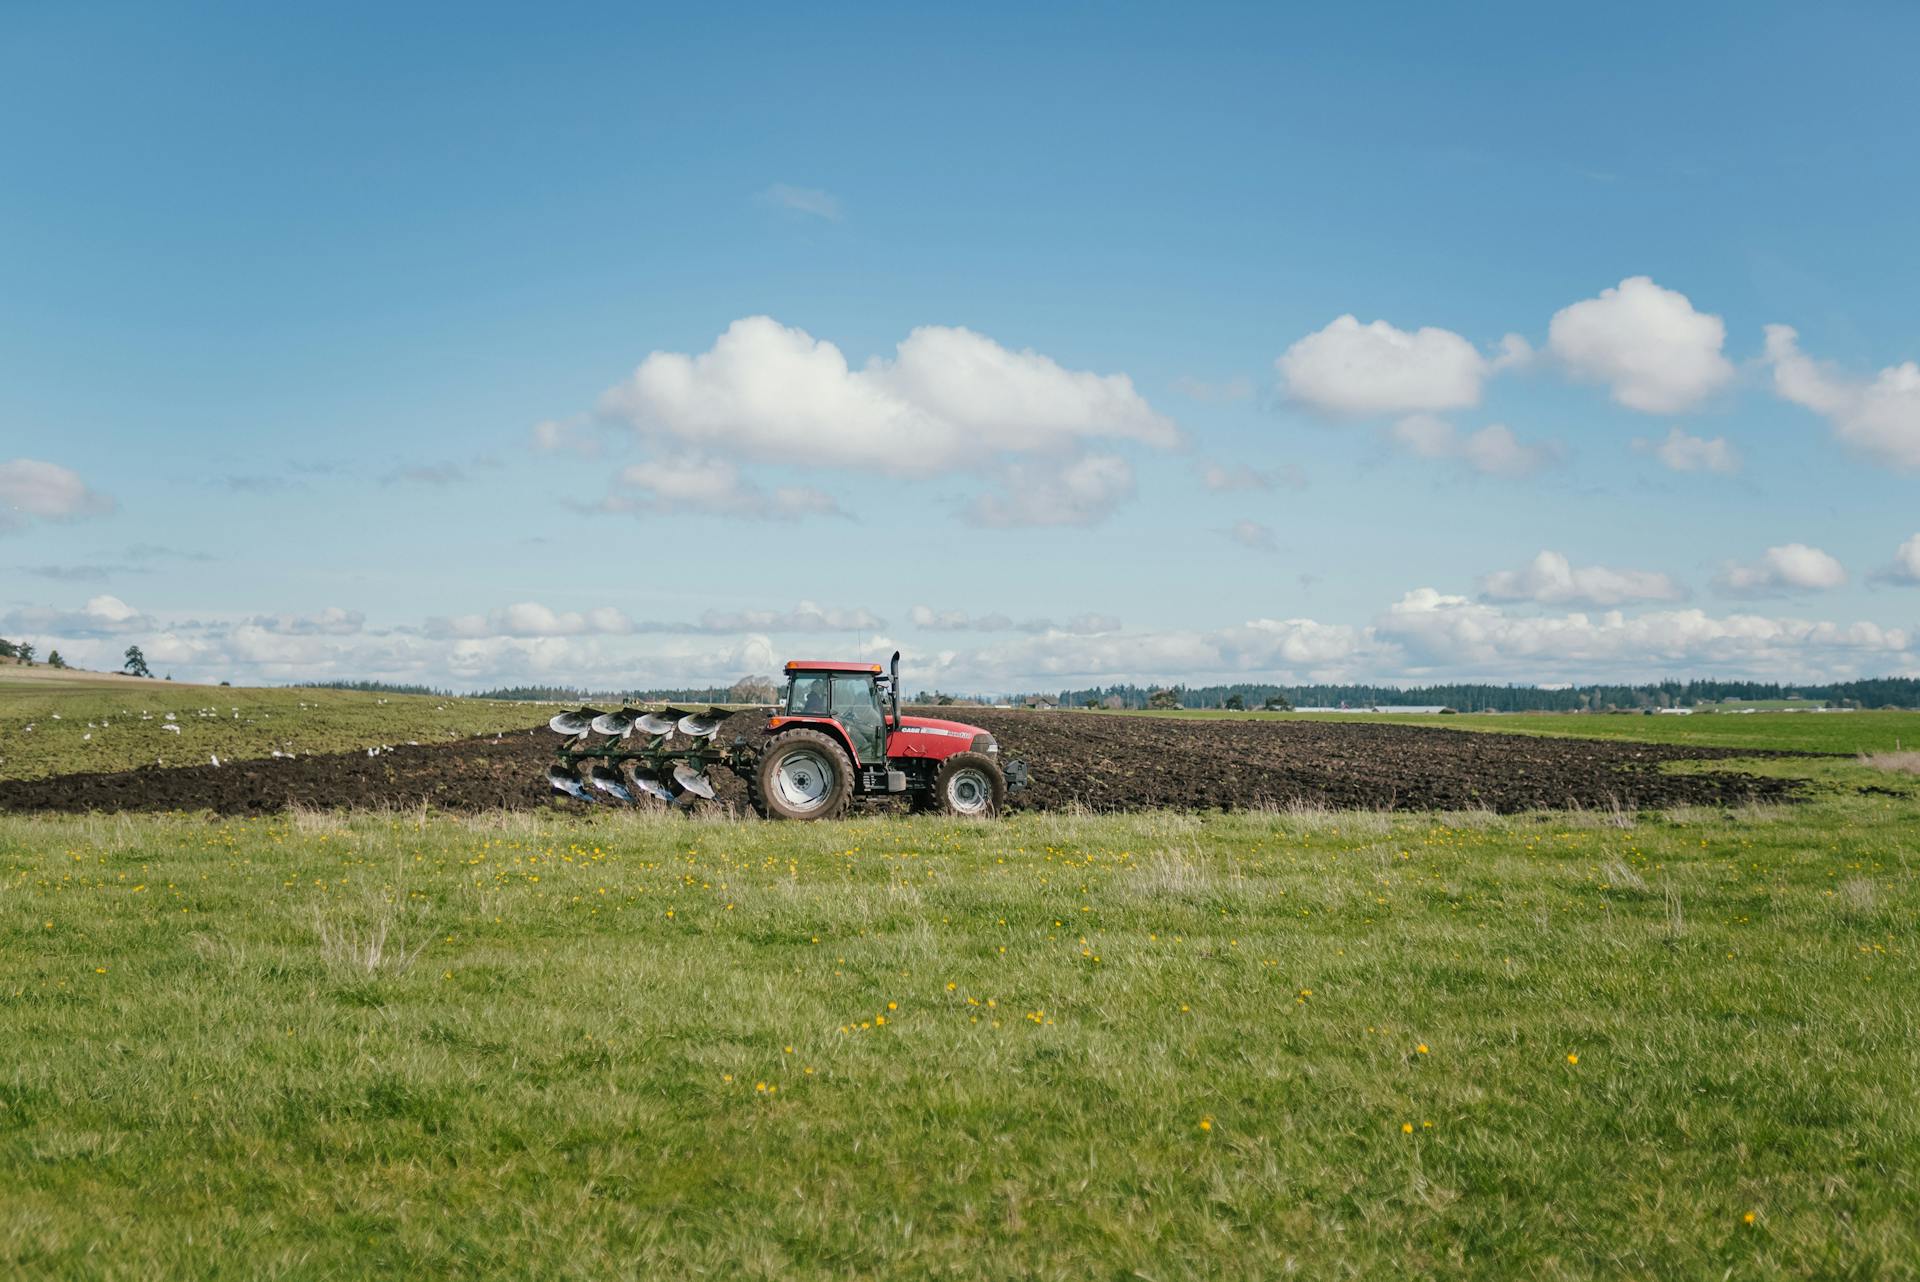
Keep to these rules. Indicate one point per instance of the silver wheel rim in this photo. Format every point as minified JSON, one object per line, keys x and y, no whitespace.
{"x":969,"y":791}
{"x":802,"y":779}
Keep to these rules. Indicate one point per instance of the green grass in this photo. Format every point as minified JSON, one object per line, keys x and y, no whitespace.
{"x":1848,"y":732}
{"x":81,"y":722}
{"x":1154,"y":1046}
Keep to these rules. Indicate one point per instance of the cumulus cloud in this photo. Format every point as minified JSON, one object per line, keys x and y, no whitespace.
{"x":1792,"y":567}
{"x":1423,"y":635}
{"x":531,"y":619}
{"x":1550,"y":579}
{"x":1652,"y":349}
{"x":332,"y":622}
{"x":1442,"y":632}
{"x":1492,"y":451}
{"x":31,"y":489}
{"x":1253,"y":535}
{"x":1906,"y":565}
{"x":1354,"y":370}
{"x":710,"y":485}
{"x":803,"y":200}
{"x":804,"y":617}
{"x":932,"y":620}
{"x":1226,"y":478}
{"x":1880,"y":417}
{"x":948,"y":400}
{"x":101,"y":616}
{"x":1681,"y":452}
{"x":1078,"y":491}
{"x":1284,"y":649}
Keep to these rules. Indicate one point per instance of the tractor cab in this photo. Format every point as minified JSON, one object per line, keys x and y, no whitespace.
{"x":849,"y":694}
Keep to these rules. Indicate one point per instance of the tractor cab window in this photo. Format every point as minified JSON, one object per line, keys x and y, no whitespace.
{"x":808,"y":696}
{"x":857,"y":707}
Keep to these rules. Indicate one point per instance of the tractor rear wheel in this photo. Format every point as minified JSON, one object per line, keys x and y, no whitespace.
{"x":970,"y":784}
{"x":803,"y":774}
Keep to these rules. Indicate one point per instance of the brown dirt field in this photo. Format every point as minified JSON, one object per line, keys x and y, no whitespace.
{"x":1101,"y":763}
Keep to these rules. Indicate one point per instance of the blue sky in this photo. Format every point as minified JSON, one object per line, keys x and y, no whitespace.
{"x":478,"y":345}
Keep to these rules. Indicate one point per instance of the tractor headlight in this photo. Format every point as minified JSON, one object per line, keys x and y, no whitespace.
{"x":985,"y":743}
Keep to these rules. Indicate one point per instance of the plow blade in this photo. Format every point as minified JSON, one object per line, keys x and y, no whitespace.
{"x":615,"y":725}
{"x":653,"y":787}
{"x":697,"y":725}
{"x":654,"y":724}
{"x":608,"y":782}
{"x":577,"y":722}
{"x":564,"y":781}
{"x":691,"y":780}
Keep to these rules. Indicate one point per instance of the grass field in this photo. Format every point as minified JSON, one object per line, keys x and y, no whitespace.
{"x":1158,"y":1045}
{"x":1848,"y":732}
{"x":1057,"y":1047}
{"x":82,"y":721}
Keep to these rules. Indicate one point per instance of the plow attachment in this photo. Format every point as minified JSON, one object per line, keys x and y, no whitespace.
{"x":643,"y":756}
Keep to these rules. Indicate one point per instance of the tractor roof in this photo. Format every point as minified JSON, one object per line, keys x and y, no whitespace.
{"x":829,"y":665}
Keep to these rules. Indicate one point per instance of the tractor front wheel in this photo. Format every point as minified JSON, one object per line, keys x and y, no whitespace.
{"x":803,"y":774}
{"x":970,"y":784}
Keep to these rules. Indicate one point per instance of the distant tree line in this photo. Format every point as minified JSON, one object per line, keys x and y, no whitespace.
{"x":375,"y":687}
{"x":745,"y":690}
{"x":1879,"y":692}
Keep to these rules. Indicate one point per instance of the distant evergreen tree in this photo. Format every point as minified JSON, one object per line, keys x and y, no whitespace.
{"x":136,"y":663}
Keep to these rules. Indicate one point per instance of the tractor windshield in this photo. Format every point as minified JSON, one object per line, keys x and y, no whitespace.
{"x":807,"y":696}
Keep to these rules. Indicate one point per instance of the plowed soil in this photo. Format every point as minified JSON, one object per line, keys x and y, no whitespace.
{"x":1100,"y":762}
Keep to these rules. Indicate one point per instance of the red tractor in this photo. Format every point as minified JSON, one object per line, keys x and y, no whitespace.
{"x":838,"y":733}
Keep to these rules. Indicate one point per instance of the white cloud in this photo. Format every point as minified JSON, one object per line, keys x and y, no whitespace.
{"x":1280,"y":648}
{"x":1253,"y":535}
{"x":31,"y":489}
{"x":1425,"y":635}
{"x":530,"y":619}
{"x":1653,"y":350}
{"x":1079,"y":491}
{"x":694,"y":484}
{"x":932,"y":620}
{"x":1228,"y":478}
{"x":1792,"y":567}
{"x":101,"y":616}
{"x":1550,"y":579}
{"x":1681,"y":452}
{"x":1493,"y":450}
{"x":332,"y":621}
{"x":803,"y":200}
{"x":1439,"y":632}
{"x":805,"y":617}
{"x":1906,"y":564}
{"x":1356,"y":370}
{"x":1880,"y":418}
{"x":949,"y":400}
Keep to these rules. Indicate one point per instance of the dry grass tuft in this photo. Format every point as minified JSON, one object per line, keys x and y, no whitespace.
{"x":1904,"y":762}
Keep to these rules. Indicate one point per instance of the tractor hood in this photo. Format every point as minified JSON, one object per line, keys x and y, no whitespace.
{"x":935,"y":728}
